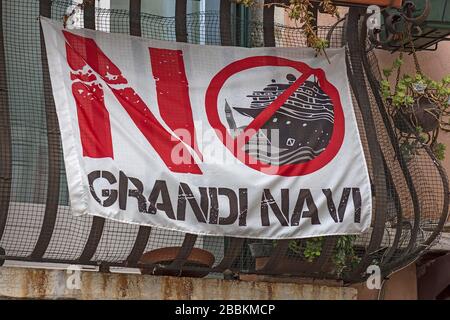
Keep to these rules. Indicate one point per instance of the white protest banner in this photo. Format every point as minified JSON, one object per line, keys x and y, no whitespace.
{"x":226,"y":141}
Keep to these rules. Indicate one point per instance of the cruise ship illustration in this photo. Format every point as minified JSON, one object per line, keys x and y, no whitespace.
{"x":297,"y":132}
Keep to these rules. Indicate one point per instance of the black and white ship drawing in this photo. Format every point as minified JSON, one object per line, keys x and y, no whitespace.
{"x":297,"y":132}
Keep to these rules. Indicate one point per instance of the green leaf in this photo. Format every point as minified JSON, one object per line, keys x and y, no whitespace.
{"x":398,"y":62}
{"x":407,"y":79}
{"x":439,"y":150}
{"x":446,"y":79}
{"x":387,"y":72}
{"x":401,"y":86}
{"x":409,"y":100}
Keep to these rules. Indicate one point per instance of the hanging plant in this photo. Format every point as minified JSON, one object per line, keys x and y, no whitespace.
{"x":419,"y":106}
{"x":301,"y":12}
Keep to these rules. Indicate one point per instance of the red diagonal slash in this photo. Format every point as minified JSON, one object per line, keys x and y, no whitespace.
{"x":288,"y":170}
{"x":264,"y":116}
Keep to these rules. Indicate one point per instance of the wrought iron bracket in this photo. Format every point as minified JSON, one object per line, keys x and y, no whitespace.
{"x":398,"y":23}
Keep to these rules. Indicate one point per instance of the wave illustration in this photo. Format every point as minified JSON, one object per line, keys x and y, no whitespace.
{"x":279,"y":157}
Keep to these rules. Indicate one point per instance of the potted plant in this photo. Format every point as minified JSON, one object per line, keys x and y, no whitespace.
{"x":306,"y":252}
{"x":154,"y":262}
{"x":419,"y":107}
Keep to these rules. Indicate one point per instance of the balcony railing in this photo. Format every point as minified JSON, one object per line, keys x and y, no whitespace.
{"x":410,"y":191}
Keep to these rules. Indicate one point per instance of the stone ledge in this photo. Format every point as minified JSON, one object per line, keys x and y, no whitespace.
{"x":52,"y":284}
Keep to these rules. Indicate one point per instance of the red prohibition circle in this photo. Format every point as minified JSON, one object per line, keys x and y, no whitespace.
{"x":300,"y":169}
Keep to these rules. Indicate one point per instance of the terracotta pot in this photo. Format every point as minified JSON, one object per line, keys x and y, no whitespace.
{"x":381,"y":3}
{"x":424,"y":114}
{"x":165,"y":256}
